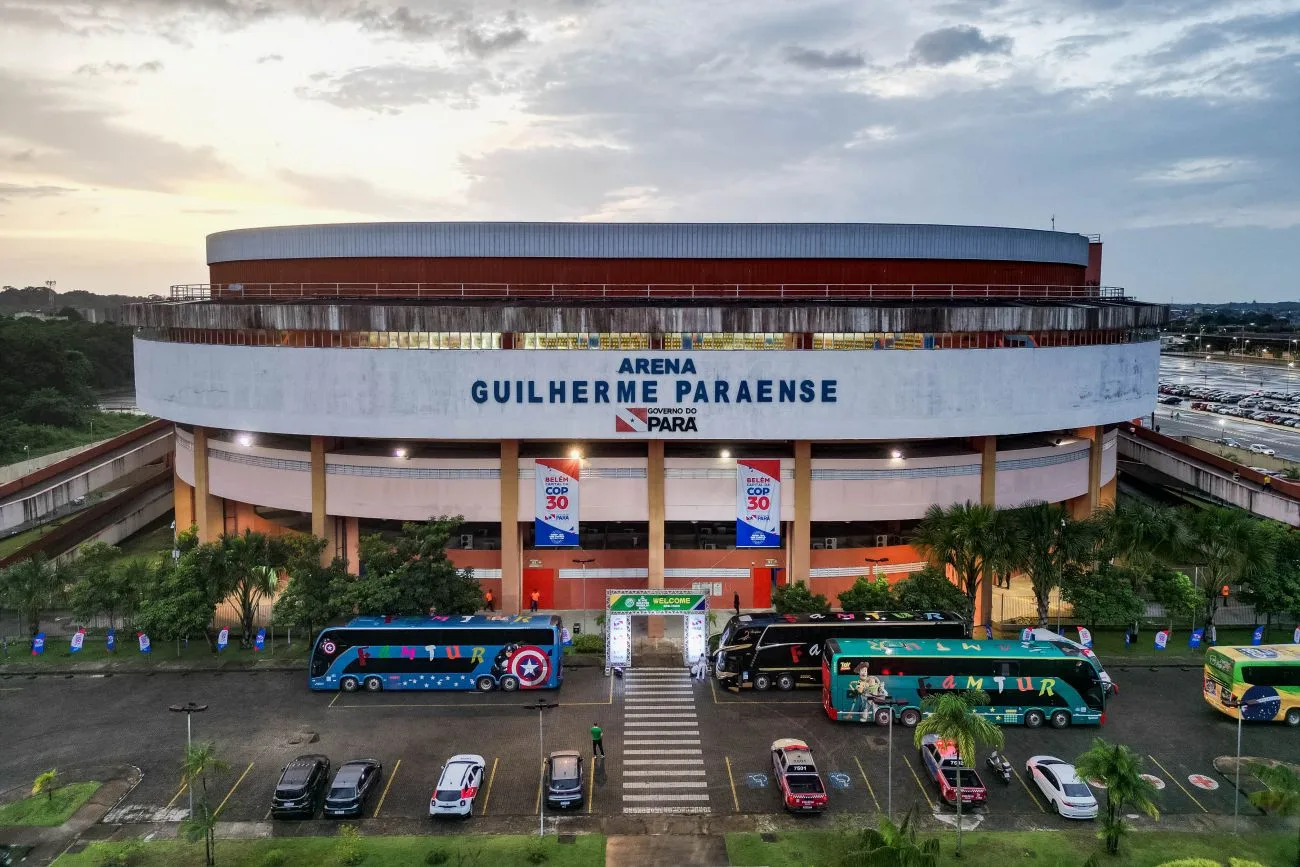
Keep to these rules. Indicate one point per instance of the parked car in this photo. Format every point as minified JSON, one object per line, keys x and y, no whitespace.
{"x":1059,"y":782}
{"x":564,"y":779}
{"x":1261,"y":449}
{"x":301,"y":787}
{"x":353,"y":785}
{"x":943,"y":764}
{"x":796,"y":775}
{"x":458,"y":785}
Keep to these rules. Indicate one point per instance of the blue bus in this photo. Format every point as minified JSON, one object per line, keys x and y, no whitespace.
{"x":471,"y":651}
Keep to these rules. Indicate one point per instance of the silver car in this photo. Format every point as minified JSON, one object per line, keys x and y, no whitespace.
{"x":458,"y":785}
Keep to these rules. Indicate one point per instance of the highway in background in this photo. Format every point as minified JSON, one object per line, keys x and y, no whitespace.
{"x":1230,"y":376}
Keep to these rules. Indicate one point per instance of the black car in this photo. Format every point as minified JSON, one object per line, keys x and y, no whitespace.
{"x":564,"y":779}
{"x":353,"y":784}
{"x":301,"y":787}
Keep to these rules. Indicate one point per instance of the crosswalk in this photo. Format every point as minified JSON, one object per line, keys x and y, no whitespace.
{"x":663,"y":762}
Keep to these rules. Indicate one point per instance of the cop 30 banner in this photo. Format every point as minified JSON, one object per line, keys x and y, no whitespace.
{"x":758,"y":503}
{"x":555,"y":522}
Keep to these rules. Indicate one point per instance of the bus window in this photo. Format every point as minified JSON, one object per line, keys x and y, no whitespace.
{"x":1008,"y":669}
{"x":1271,"y":675}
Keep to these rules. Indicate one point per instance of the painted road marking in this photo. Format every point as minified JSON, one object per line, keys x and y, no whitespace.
{"x":690,"y":715}
{"x":668,"y":784}
{"x":868,"y":782}
{"x":661,"y":753}
{"x":217,"y":812}
{"x":1201,"y":781}
{"x":703,"y":797}
{"x":541,"y":778}
{"x":591,"y":787}
{"x":661,"y":743}
{"x":267,"y":816}
{"x":179,"y":792}
{"x":487,"y":796}
{"x":680,"y":772}
{"x":384,"y":794}
{"x":334,"y":699}
{"x":659,"y":711}
{"x":1029,"y":792}
{"x":1178,"y":784}
{"x":924,"y":793}
{"x":664,"y":722}
{"x":672,"y":733}
{"x":661,"y":810}
{"x":666,"y":761}
{"x":735,"y":800}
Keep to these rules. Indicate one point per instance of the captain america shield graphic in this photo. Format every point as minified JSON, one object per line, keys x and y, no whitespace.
{"x":531,"y":665}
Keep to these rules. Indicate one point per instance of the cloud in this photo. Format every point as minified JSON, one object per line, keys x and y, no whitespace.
{"x":341,"y":194}
{"x":97,"y":69}
{"x":1198,"y":170}
{"x":270,"y":58}
{"x":393,"y":88}
{"x":816,"y":58}
{"x":480,"y":44}
{"x":951,"y":44}
{"x":9,"y":192}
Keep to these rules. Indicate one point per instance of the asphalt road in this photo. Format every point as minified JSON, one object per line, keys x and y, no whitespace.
{"x":672,"y":744}
{"x":1232,"y":377}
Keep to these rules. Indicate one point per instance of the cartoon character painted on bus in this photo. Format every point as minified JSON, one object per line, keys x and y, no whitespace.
{"x":530,"y":665}
{"x":864,"y":690}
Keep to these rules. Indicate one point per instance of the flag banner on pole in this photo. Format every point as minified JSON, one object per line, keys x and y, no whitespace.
{"x":555,"y":515}
{"x":38,"y":644}
{"x":758,"y":503}
{"x":223,"y":638}
{"x":1026,"y":634}
{"x":1085,"y":637}
{"x":111,"y":639}
{"x":78,"y":639}
{"x":1194,"y":640}
{"x":1257,"y":637}
{"x":1162,"y":638}
{"x":143,"y":641}
{"x":259,"y":643}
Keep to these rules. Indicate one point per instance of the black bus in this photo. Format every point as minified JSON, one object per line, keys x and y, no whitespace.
{"x":783,"y":650}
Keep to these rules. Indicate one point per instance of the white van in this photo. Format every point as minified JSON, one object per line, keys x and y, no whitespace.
{"x":1041,"y":634}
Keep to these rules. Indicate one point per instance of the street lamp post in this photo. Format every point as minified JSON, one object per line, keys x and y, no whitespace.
{"x":584,"y":563}
{"x":874,"y":561}
{"x":1236,"y":795}
{"x":189,"y":709}
{"x":891,"y":703}
{"x":542,"y":705}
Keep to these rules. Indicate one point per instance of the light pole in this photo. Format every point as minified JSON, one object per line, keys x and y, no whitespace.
{"x":542,"y":705}
{"x":1236,"y":795}
{"x":189,"y":709}
{"x":584,"y":563}
{"x":874,"y":561}
{"x":891,"y":703}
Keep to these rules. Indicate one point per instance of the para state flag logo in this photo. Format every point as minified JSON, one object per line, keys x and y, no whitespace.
{"x":631,"y":419}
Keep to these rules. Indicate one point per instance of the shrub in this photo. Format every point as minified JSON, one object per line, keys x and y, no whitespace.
{"x":347,"y":848}
{"x":588,"y":643}
{"x":274,"y":858}
{"x":536,"y":854}
{"x":435,"y":857}
{"x":867,"y":594}
{"x":125,"y":855}
{"x":798,"y":599}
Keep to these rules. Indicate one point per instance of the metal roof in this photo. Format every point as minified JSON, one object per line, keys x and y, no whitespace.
{"x":648,"y":241}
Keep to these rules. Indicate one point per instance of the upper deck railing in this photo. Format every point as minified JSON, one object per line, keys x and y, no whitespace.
{"x":625,"y":291}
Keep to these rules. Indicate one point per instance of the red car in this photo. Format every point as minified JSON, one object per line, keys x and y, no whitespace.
{"x":796,"y":777}
{"x":943,"y":764}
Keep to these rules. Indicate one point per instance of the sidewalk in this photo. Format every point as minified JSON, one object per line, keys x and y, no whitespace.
{"x":48,"y":843}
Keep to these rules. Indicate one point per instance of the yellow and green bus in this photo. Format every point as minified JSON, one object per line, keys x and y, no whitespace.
{"x":1255,"y":683}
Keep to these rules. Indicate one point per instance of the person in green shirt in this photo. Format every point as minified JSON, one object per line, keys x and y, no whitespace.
{"x":597,"y":747}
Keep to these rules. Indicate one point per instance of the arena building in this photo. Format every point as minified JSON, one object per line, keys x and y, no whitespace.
{"x":643,"y":405}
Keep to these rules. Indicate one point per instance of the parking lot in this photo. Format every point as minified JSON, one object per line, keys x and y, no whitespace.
{"x":674,"y":745}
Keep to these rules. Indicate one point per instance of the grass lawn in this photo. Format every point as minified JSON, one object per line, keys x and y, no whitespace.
{"x":462,"y":850}
{"x":48,"y":811}
{"x":1110,"y":645}
{"x":1040,"y":848}
{"x":10,"y":544}
{"x":198,"y":653}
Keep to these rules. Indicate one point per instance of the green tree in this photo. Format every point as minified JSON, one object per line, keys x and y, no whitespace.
{"x":952,"y":719}
{"x":890,"y":845}
{"x":1177,"y":593}
{"x":959,"y":538}
{"x":1053,"y":544}
{"x":31,"y":587}
{"x":199,"y":761}
{"x":412,"y":574}
{"x":308,"y":601}
{"x":1277,"y":591}
{"x":94,"y":585}
{"x":1005,"y":545}
{"x":45,"y":784}
{"x":867,"y":594}
{"x":1119,"y":769}
{"x":1231,"y":546}
{"x":1102,"y":596}
{"x":183,"y":597}
{"x":930,"y":590}
{"x":1283,"y":793}
{"x":796,"y":598}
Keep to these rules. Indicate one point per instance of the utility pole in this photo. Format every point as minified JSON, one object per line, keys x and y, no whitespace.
{"x":541,"y":706}
{"x":189,"y":709}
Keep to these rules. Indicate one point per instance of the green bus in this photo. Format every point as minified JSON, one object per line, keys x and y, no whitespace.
{"x":1028,"y":682}
{"x":1255,"y":683}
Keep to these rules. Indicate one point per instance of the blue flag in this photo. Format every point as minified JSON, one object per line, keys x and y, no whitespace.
{"x":1026,"y":634}
{"x":144,"y":642}
{"x":38,"y":644}
{"x":1194,"y":640}
{"x":988,"y":632}
{"x":1128,"y":638}
{"x":1258,"y":637}
{"x":112,"y":638}
{"x":259,"y":642}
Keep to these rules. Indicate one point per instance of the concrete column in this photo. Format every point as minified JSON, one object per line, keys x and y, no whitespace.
{"x":801,"y":528}
{"x":512,"y":574}
{"x":351,"y":536}
{"x":654,"y":473}
{"x":1094,"y":470}
{"x":208,"y":515}
{"x":319,"y":516}
{"x":989,"y":497}
{"x":182,"y":505}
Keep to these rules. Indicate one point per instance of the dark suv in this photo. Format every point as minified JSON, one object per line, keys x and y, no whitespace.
{"x":301,"y":787}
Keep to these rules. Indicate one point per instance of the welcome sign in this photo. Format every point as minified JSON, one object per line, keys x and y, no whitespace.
{"x":555,"y":491}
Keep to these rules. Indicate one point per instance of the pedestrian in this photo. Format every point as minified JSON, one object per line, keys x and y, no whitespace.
{"x":701,"y":668}
{"x":488,"y":599}
{"x":533,"y":599}
{"x":597,"y":744}
{"x":1225,"y":593}
{"x":735,"y":602}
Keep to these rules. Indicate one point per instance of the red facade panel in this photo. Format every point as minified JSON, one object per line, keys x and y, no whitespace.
{"x":1093,"y":274}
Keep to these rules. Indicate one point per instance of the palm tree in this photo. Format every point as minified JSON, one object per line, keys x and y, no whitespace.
{"x":1006,"y":545}
{"x":31,"y":587}
{"x":200,"y":760}
{"x":1054,"y":543}
{"x":890,"y":845}
{"x":952,"y":719}
{"x":958,"y":538}
{"x":1120,"y":770}
{"x":252,"y":578}
{"x":1282,"y":795}
{"x":1232,"y":547}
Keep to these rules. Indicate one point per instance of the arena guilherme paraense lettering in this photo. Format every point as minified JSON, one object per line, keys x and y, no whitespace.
{"x":648,"y":391}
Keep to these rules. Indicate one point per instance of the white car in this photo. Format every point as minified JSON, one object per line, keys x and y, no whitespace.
{"x":1262,"y":449}
{"x":458,"y":784}
{"x":1068,"y":795}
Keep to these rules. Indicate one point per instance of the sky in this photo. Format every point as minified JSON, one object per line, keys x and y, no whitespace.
{"x":130,"y":129}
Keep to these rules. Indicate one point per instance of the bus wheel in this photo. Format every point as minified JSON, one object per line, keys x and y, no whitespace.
{"x":1034,"y":719}
{"x":1060,"y":719}
{"x":1293,"y":716}
{"x":785,"y":681}
{"x":762,"y":682}
{"x":509,"y":683}
{"x":374,"y":684}
{"x":883,"y":716}
{"x":348,"y":684}
{"x":910,"y":717}
{"x":485,"y":683}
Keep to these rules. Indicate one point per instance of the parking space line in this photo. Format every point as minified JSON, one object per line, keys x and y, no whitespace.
{"x":924,"y":793}
{"x":217,"y":812}
{"x":591,"y":787}
{"x":334,"y":699}
{"x":1029,"y":791}
{"x":735,"y":799}
{"x":179,"y":792}
{"x":868,"y":782}
{"x":267,"y":817}
{"x":492,"y":777}
{"x":541,"y":778}
{"x":1181,"y":787}
{"x":384,"y":794}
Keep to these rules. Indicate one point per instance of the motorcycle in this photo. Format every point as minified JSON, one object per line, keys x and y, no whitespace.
{"x":999,"y":765}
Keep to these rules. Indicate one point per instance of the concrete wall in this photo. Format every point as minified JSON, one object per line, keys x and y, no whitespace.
{"x":150,"y":507}
{"x":875,"y":395}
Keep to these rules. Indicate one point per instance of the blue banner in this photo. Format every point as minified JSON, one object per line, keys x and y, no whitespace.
{"x":988,"y":632}
{"x":1258,"y":637}
{"x":38,"y":644}
{"x":1162,"y":638}
{"x":758,"y":503}
{"x":259,"y":643}
{"x":112,"y":638}
{"x":143,"y":640}
{"x":555,"y":515}
{"x":223,"y":638}
{"x":1194,"y":640}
